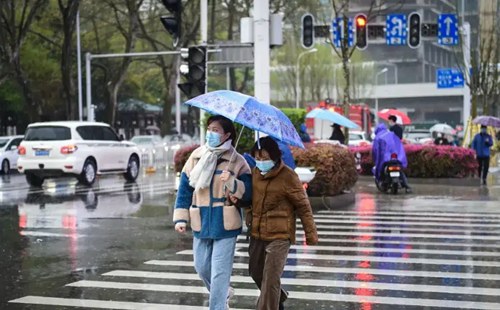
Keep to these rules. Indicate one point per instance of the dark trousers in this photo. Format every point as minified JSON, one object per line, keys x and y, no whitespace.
{"x":484,"y":165}
{"x":266,"y":264}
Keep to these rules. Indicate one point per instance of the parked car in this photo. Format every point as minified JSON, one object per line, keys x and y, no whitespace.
{"x":8,"y":153}
{"x":172,"y":143}
{"x":418,"y":136}
{"x":152,"y":149}
{"x":80,"y":149}
{"x":358,"y":138}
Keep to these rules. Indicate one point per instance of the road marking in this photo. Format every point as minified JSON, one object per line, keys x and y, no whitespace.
{"x":48,"y":234}
{"x":360,"y":258}
{"x":413,"y":218}
{"x":385,"y":250}
{"x":102,"y":304}
{"x":377,"y":227}
{"x":399,"y":242}
{"x":396,"y":234}
{"x":409,"y":223}
{"x":422,"y":302}
{"x":323,"y":283}
{"x":335,"y":270}
{"x":437,"y":213}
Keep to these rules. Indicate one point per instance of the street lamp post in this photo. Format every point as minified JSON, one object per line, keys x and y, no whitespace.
{"x":297,"y":86}
{"x":376,"y":97}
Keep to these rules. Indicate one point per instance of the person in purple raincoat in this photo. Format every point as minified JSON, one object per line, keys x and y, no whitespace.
{"x":384,"y":145}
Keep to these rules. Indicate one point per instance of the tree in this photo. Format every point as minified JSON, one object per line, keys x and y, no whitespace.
{"x":16,"y":18}
{"x":69,"y":10}
{"x":158,"y":40}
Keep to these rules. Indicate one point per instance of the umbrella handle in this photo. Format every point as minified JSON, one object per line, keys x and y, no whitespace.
{"x":237,"y":141}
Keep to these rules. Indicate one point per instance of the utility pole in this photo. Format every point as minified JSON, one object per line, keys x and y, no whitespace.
{"x":262,"y":79}
{"x":466,"y":53}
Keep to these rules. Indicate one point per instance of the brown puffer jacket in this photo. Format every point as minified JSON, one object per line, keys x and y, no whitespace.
{"x":277,"y":200}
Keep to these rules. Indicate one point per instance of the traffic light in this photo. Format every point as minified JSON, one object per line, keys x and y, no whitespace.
{"x":194,"y":70}
{"x":414,"y":30}
{"x":307,"y":30}
{"x":361,"y":31}
{"x":173,"y":23}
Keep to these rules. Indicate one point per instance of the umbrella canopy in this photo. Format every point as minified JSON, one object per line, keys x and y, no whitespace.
{"x":249,"y":112}
{"x":332,"y":116}
{"x":487,"y":121}
{"x":443,"y":128}
{"x":401,"y":117}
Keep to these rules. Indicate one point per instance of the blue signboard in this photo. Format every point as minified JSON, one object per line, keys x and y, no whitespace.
{"x":449,"y":78}
{"x":338,"y":31}
{"x":447,"y":29}
{"x":396,"y":32}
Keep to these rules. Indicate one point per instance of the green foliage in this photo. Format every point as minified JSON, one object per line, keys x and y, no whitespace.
{"x":296,"y":116}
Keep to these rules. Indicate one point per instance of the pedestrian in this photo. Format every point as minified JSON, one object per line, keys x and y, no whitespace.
{"x":212,"y":173}
{"x":304,"y":136}
{"x":337,"y":134}
{"x":277,"y":199}
{"x":482,"y":143}
{"x":441,"y":140}
{"x":394,"y":127}
{"x":286,"y":156}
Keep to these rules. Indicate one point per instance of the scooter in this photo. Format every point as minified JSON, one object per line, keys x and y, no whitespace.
{"x":390,"y":178}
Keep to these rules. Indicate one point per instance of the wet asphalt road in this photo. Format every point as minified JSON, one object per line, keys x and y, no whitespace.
{"x":113,"y":247}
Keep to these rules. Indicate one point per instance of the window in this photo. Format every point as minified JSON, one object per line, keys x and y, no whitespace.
{"x":48,"y":133}
{"x":15,"y":142}
{"x":3,"y":142}
{"x":100,"y":133}
{"x":86,"y":132}
{"x":108,"y":134}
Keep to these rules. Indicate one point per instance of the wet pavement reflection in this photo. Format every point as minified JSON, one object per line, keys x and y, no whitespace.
{"x":112,"y":246}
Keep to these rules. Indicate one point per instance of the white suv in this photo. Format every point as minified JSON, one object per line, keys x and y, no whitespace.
{"x":81,"y":149}
{"x":8,"y":153}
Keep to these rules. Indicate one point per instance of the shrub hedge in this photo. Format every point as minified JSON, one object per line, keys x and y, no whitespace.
{"x":429,"y":161}
{"x":335,"y":168}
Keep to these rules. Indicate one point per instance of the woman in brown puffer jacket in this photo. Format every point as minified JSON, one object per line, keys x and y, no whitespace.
{"x":277,"y":200}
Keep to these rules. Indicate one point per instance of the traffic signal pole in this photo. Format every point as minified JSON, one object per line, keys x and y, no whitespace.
{"x":204,"y":40}
{"x":466,"y":53}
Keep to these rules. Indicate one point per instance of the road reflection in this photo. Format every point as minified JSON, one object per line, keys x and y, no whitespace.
{"x":68,"y":206}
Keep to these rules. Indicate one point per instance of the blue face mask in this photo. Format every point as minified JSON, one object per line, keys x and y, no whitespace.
{"x":213,"y":139}
{"x":264,"y":165}
{"x":484,"y":130}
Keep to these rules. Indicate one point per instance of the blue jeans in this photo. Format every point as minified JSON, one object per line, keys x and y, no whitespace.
{"x":213,"y":261}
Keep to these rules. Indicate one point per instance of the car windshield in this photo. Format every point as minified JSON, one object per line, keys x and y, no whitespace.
{"x":142,"y":140}
{"x":355,"y":136}
{"x":48,"y":133}
{"x":3,"y":143}
{"x":417,"y":135}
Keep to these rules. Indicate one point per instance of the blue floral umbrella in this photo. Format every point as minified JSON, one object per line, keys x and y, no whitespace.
{"x":249,"y":112}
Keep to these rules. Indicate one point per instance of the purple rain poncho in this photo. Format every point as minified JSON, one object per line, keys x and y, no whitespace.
{"x":384,"y":144}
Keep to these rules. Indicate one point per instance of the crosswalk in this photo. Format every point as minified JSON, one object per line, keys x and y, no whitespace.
{"x":365,"y":260}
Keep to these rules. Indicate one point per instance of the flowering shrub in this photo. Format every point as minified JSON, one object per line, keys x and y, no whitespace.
{"x":335,"y":168}
{"x":182,"y":155}
{"x":429,"y":161}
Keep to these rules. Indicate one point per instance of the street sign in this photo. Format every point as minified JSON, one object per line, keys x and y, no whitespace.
{"x":449,"y":78}
{"x":396,"y":32}
{"x":448,"y":29}
{"x":338,"y":31}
